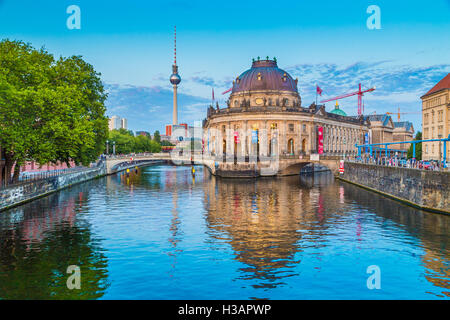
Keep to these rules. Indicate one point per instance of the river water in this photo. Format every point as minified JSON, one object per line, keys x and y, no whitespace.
{"x":160,"y":233}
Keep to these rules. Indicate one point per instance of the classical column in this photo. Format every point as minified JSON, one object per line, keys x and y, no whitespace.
{"x":230,"y":142}
{"x":300,"y":139}
{"x":263,"y":147}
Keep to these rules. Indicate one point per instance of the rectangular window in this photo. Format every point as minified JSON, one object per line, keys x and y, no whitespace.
{"x":291,"y":127}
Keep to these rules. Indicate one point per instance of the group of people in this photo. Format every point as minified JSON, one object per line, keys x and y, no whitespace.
{"x":397,"y":162}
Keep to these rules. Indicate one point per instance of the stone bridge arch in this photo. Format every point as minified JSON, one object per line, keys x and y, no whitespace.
{"x":294,"y":167}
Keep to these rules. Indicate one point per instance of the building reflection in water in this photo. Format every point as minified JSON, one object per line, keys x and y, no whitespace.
{"x":39,"y":240}
{"x":265,"y":221}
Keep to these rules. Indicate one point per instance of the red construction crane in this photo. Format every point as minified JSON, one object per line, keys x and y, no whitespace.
{"x":360,"y":93}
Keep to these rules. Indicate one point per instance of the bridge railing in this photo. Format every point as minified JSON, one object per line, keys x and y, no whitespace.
{"x":376,"y":150}
{"x":400,"y":163}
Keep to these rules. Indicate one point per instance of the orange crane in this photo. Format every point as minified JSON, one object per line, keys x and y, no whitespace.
{"x":360,"y":94}
{"x":399,"y":113}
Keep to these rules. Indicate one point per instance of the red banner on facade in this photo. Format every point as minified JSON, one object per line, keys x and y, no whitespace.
{"x":320,"y":139}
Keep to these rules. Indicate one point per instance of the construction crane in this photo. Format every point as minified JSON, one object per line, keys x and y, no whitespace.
{"x":360,"y":93}
{"x":399,"y":113}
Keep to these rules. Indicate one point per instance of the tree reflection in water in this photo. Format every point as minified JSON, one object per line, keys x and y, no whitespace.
{"x":40,"y":240}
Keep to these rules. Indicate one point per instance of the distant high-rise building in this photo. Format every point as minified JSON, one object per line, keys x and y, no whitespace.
{"x":115,"y":123}
{"x":124,"y":123}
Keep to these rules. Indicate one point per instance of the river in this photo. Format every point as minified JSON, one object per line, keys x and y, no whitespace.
{"x":160,"y":233}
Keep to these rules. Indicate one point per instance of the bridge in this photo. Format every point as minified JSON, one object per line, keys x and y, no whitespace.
{"x":267,"y":166}
{"x":227,"y":166}
{"x":123,"y":162}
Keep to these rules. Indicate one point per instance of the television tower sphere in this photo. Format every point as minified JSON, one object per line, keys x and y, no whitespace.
{"x":175,"y":78}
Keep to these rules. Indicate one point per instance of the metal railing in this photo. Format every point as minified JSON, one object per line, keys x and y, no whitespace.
{"x":400,"y":163}
{"x":36,"y":176}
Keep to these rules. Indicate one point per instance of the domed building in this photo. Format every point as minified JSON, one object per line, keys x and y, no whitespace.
{"x":264,"y":116}
{"x":338,"y":111}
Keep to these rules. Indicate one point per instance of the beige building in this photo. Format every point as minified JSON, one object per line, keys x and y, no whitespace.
{"x":436,"y":119}
{"x":403,"y":131}
{"x":384,"y":129}
{"x":264,"y":116}
{"x":116,"y":123}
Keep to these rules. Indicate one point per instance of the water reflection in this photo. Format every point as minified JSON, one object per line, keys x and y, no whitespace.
{"x":160,"y":232}
{"x":265,"y":221}
{"x":40,"y":240}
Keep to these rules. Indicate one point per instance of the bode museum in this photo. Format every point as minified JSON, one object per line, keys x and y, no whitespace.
{"x":265,"y":117}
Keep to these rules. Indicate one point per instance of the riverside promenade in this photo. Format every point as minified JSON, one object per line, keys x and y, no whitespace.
{"x":31,"y":189}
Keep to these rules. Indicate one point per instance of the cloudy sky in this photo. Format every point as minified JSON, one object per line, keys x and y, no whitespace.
{"x":323,"y":42}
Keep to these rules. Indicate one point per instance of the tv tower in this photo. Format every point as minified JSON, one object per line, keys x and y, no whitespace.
{"x":175,"y":79}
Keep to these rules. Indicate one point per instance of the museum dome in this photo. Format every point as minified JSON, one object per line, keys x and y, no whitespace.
{"x":264,"y":75}
{"x":338,"y":111}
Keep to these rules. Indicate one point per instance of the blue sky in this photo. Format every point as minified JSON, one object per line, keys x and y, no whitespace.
{"x":326,"y":42}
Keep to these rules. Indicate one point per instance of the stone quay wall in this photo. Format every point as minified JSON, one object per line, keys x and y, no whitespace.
{"x":428,"y":190}
{"x":18,"y":194}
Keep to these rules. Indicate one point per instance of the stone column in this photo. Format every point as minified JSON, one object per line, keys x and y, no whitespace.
{"x":300,"y":139}
{"x":263,"y":146}
{"x":230,"y":141}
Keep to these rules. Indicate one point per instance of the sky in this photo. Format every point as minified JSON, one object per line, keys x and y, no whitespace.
{"x":321,"y":42}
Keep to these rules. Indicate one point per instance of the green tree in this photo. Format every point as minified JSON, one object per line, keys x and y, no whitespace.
{"x":166,"y":143}
{"x":418,"y":147}
{"x":143,"y":144}
{"x":125,"y":143}
{"x":157,"y":137}
{"x":155,"y":146}
{"x":50,"y":110}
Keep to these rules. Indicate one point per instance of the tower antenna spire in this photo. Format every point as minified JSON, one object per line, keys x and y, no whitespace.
{"x":175,"y":47}
{"x":175,"y":80}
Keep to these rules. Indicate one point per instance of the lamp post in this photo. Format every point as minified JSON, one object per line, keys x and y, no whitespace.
{"x":114,"y":147}
{"x":107,"y":146}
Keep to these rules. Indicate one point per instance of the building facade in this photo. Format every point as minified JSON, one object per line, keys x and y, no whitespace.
{"x":436,"y":119}
{"x":116,"y":123}
{"x":265,"y":116}
{"x":124,"y":123}
{"x":384,"y":130}
{"x":403,"y":131}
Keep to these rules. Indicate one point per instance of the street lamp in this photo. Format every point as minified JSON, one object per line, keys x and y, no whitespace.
{"x":114,"y":148}
{"x":107,"y":146}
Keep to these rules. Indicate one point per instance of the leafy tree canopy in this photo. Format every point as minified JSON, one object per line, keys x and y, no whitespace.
{"x":50,"y":110}
{"x":127,"y":143}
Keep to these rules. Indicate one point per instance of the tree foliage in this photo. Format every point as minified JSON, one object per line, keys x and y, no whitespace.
{"x":418,"y":147}
{"x":127,"y":143}
{"x":50,"y":110}
{"x":157,"y":137}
